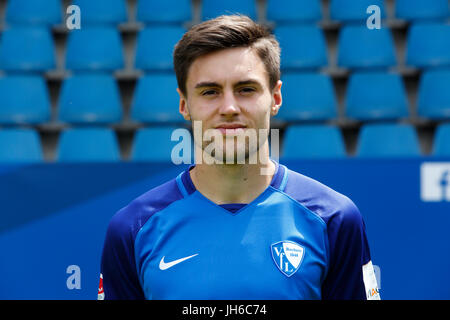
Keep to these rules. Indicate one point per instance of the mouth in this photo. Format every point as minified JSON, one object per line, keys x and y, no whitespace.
{"x":227,"y":129}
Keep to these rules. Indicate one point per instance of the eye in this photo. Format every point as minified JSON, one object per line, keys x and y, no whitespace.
{"x":209,"y":92}
{"x":247,"y":90}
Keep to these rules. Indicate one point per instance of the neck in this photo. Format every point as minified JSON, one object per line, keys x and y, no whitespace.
{"x":232,"y":183}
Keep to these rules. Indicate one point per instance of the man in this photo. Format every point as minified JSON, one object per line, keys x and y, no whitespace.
{"x":226,"y":229}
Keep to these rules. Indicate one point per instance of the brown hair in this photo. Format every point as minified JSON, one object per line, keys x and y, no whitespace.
{"x":226,"y":32}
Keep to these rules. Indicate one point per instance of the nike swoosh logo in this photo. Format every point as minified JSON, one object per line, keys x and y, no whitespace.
{"x":164,"y":266}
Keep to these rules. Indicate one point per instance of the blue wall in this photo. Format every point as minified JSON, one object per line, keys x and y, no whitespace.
{"x":55,"y":215}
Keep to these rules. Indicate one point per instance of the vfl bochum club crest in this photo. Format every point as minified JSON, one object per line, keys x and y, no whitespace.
{"x":287,"y":256}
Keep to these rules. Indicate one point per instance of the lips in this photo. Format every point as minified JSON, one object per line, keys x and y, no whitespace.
{"x":231,"y":128}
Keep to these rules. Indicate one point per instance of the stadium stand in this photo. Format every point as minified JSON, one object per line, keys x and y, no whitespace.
{"x":25,"y":12}
{"x":154,"y":144}
{"x":294,"y":11}
{"x":434,"y":95}
{"x":313,"y":141}
{"x":422,"y":10}
{"x":94,"y":49}
{"x":88,"y":145}
{"x":360,"y":47}
{"x":307,"y":96}
{"x":350,"y":11}
{"x":388,"y":140}
{"x":151,"y":102}
{"x":376,"y":96}
{"x":20,"y":145}
{"x":441,"y":145}
{"x":102,"y":12}
{"x":428,"y":45}
{"x":164,"y":12}
{"x":90,"y":99}
{"x":27,"y":49}
{"x":157,"y":58}
{"x":335,"y":70}
{"x":213,"y":8}
{"x":17,"y":108}
{"x":303,"y":47}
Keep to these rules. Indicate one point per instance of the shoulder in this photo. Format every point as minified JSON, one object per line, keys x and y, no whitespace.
{"x":130,"y":219}
{"x":331,"y":206}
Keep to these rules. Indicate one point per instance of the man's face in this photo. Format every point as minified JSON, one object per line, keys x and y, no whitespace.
{"x":228,"y":91}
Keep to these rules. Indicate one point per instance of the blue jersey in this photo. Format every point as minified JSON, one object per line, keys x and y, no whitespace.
{"x":298,"y":239}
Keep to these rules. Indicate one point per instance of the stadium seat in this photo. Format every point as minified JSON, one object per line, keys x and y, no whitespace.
{"x":354,"y":11}
{"x":88,"y":145}
{"x":388,"y":140}
{"x":154,"y":47}
{"x":302,"y":47}
{"x":415,"y":10}
{"x":168,"y":11}
{"x":90,"y":99}
{"x":27,"y":49}
{"x":26,"y":12}
{"x":376,"y":96}
{"x":294,"y":11}
{"x":313,"y":141}
{"x":156,"y":100}
{"x":154,"y":144}
{"x":94,"y":49}
{"x":307,"y":96}
{"x":19,"y":108}
{"x":20,"y":145}
{"x":428,"y":45}
{"x":360,"y":47}
{"x":434,"y":95}
{"x":102,"y":12}
{"x":441,"y":144}
{"x":213,"y":8}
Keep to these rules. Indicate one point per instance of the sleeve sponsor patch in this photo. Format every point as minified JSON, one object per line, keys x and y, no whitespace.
{"x":101,"y":293}
{"x":370,"y":282}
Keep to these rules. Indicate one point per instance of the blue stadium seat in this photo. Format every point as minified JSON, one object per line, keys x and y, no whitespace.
{"x":294,"y":11}
{"x":376,"y":96}
{"x":94,"y":49}
{"x":441,"y":144}
{"x":20,"y":145}
{"x":26,"y":12}
{"x":307,"y":96}
{"x":154,"y":47}
{"x":90,"y":99}
{"x":24,"y":100}
{"x":88,"y":145}
{"x":388,"y":140}
{"x":27,"y":49}
{"x":434,"y":95}
{"x":168,"y":11}
{"x":302,"y":46}
{"x":360,"y":47}
{"x":102,"y":12}
{"x":415,"y":10}
{"x":428,"y":45}
{"x":156,"y":100}
{"x":313,"y":141}
{"x":154,"y":144}
{"x":354,"y":11}
{"x":213,"y":8}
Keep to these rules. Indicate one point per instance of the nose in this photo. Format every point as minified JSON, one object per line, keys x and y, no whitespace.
{"x":229,"y":106}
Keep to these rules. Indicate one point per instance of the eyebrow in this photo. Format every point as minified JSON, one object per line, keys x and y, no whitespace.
{"x":208,"y":84}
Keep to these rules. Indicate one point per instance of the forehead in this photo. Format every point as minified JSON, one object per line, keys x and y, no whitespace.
{"x":227,"y":66}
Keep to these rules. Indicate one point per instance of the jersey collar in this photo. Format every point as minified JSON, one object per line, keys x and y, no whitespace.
{"x":187,"y":187}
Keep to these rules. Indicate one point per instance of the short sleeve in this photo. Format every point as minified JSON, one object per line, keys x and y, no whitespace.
{"x":350,"y":274}
{"x":118,"y":278}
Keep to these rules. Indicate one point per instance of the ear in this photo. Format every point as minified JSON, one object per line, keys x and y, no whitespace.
{"x":277,"y":99}
{"x":183,"y":106}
